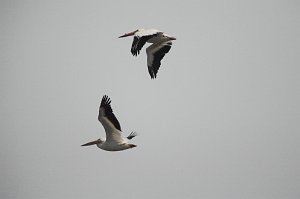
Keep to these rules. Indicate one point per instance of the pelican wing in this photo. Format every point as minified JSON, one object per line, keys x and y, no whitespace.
{"x":109,"y":121}
{"x":106,"y":115}
{"x":139,"y":42}
{"x":155,"y":53}
{"x":132,"y":135}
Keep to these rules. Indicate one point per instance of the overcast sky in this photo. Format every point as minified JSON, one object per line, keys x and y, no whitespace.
{"x":220,"y":121}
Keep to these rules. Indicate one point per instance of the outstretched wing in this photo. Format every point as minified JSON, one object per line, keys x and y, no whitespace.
{"x":138,"y":43}
{"x":155,"y":53}
{"x":106,"y":115}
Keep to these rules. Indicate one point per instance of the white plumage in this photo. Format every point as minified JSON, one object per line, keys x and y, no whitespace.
{"x":114,"y":140}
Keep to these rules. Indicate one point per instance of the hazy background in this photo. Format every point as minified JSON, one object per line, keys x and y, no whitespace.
{"x":220,"y":121}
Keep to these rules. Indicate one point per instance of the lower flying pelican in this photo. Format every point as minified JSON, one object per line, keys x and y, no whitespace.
{"x":114,"y":140}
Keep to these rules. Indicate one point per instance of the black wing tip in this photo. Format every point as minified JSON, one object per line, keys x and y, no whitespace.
{"x":152,"y":75}
{"x":105,"y":101}
{"x":135,"y":52}
{"x":132,"y":135}
{"x":153,"y":70}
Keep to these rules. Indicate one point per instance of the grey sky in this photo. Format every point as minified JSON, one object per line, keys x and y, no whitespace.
{"x":220,"y":121}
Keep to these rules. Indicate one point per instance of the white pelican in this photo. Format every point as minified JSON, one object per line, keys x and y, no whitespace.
{"x":114,"y":140}
{"x":155,"y":52}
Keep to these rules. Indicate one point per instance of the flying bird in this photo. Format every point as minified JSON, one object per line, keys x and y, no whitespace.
{"x":114,"y":140}
{"x":161,"y":45}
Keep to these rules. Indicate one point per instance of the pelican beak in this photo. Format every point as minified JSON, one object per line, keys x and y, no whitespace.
{"x":91,"y":143}
{"x":127,"y":34}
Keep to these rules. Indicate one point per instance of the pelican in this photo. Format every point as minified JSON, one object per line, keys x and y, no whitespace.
{"x":161,"y":44}
{"x":114,"y":140}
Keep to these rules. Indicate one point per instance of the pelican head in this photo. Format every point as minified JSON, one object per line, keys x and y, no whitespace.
{"x":97,"y":142}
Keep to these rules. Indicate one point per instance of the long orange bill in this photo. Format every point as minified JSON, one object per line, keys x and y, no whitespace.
{"x":91,"y":143}
{"x":127,"y":34}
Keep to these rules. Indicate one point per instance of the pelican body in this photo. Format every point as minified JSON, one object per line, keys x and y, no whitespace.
{"x":161,"y":45}
{"x":114,"y":140}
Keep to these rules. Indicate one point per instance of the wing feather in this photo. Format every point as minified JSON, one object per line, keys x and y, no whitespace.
{"x":139,"y":42}
{"x":155,"y":53}
{"x":105,"y":111}
{"x":132,"y":135}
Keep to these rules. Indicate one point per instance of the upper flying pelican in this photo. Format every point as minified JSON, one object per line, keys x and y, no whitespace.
{"x":114,"y":140}
{"x":155,"y":52}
